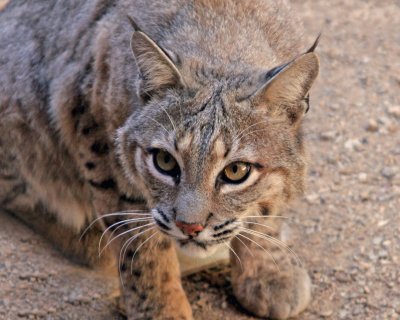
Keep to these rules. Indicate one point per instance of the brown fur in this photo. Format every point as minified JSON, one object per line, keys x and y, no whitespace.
{"x":87,"y":93}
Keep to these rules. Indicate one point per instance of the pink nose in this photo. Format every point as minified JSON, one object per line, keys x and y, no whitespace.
{"x":190,"y":229}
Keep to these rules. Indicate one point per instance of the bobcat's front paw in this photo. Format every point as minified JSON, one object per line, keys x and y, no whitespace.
{"x":176,"y":309}
{"x":278,"y":296}
{"x":173,"y":305}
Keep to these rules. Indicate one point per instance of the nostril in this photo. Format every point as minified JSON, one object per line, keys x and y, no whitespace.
{"x":192,"y":229}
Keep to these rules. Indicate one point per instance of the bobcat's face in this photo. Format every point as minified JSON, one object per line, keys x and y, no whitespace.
{"x":206,"y":161}
{"x":207,"y":149}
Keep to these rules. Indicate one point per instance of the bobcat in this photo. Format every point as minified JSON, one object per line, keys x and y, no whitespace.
{"x":167,"y":124}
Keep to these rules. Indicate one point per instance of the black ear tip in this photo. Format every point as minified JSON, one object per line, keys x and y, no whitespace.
{"x":133,"y":23}
{"x":315,"y":44}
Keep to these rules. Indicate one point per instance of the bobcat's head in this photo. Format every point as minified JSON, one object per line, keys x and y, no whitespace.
{"x":209,"y":147}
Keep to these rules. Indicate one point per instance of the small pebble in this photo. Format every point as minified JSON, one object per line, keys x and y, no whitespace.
{"x":328,"y":135}
{"x":394,"y":111}
{"x":353,"y":144}
{"x":372,"y":126}
{"x":389,"y":172}
{"x":362,"y":177}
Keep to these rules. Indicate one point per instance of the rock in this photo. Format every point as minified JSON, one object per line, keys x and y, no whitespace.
{"x":313,"y":198}
{"x":362,"y":177}
{"x":342,"y":276}
{"x":383,"y":223}
{"x":372,"y":126}
{"x":343,"y":314}
{"x":325,"y":310}
{"x":328,"y":135}
{"x":364,"y":196}
{"x":384,"y":120}
{"x":389,"y":172}
{"x":394,"y":111}
{"x":377,"y":240}
{"x":353,"y":144}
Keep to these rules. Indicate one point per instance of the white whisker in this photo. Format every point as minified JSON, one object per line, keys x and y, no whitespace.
{"x":245,"y":245}
{"x":130,"y":240}
{"x":273,"y":240}
{"x":256,"y":243}
{"x":260,"y":224}
{"x":240,"y":261}
{"x":244,"y":130}
{"x":121,"y":213}
{"x":249,"y":133}
{"x":158,"y":123}
{"x":138,"y":248}
{"x":282,"y":217}
{"x":123,"y":250}
{"x":169,"y":117}
{"x":121,"y":223}
{"x":123,"y":233}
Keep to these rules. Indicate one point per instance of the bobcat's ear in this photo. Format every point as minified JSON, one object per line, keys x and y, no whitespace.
{"x":157,"y":71}
{"x":287,"y":86}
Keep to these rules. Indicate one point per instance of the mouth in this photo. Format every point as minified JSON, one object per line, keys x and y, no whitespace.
{"x":203,"y":244}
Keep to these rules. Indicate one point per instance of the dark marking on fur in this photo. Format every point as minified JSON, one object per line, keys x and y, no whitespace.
{"x":137,"y":273}
{"x":176,"y":145}
{"x":163,"y":215}
{"x":105,"y":184}
{"x":78,"y":110}
{"x":89,"y":129}
{"x":162,"y":225}
{"x":133,"y":200}
{"x":200,"y":244}
{"x":165,"y":277}
{"x":8,"y":177}
{"x":100,"y":148}
{"x":151,"y":265}
{"x":16,"y":191}
{"x":143,"y":296}
{"x":223,"y":233}
{"x":222,"y":225}
{"x":90,"y":165}
{"x":227,"y":151}
{"x":165,"y":244}
{"x":264,"y":211}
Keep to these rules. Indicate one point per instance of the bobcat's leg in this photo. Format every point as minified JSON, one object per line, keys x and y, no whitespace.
{"x":268,"y":284}
{"x":149,"y":270}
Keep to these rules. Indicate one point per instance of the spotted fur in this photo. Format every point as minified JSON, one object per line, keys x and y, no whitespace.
{"x":88,"y":91}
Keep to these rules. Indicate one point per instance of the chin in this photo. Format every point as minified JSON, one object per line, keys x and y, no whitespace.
{"x":193,"y":250}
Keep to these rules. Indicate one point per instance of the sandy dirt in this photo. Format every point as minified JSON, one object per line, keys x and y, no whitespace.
{"x":346,"y":227}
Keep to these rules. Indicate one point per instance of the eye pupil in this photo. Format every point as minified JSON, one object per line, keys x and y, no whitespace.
{"x":235,"y":168}
{"x":167,"y":158}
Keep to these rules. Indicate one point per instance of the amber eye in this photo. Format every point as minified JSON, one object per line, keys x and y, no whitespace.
{"x":236,"y":172}
{"x":165,"y":163}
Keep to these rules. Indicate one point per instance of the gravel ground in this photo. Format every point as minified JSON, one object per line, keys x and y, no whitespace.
{"x":345,"y":229}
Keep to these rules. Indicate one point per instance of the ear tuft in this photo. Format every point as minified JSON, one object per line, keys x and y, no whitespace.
{"x":315,"y":44}
{"x":157,"y":71}
{"x":293,"y":82}
{"x":133,"y":23}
